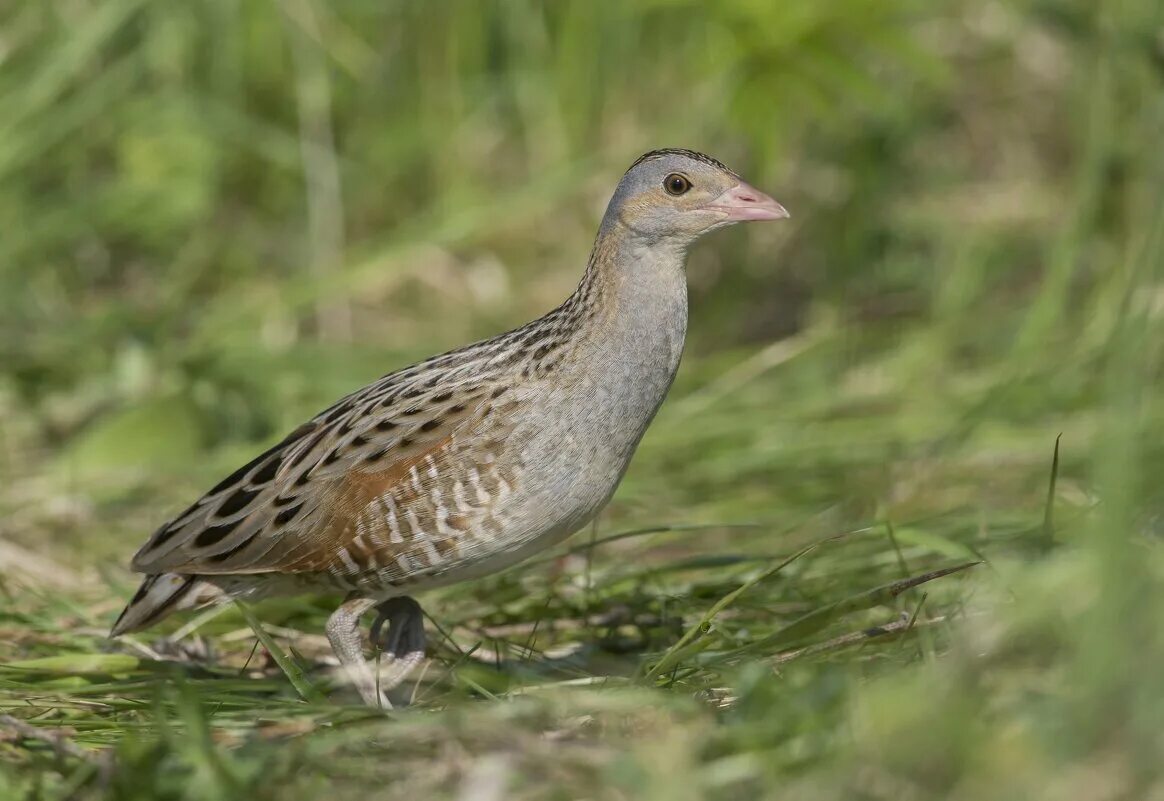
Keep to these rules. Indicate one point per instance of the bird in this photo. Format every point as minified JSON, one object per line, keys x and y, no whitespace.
{"x":467,"y":462}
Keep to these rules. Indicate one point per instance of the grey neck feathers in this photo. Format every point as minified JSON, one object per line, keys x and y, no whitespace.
{"x":631,"y":281}
{"x":636,"y":294}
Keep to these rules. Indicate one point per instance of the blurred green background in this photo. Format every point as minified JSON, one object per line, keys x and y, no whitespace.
{"x":217,"y":217}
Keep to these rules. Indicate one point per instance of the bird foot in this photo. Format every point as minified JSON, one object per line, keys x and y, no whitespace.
{"x":403,"y":641}
{"x":344,"y":633}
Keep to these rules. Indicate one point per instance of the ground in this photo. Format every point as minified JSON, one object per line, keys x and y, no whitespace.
{"x":222,"y":217}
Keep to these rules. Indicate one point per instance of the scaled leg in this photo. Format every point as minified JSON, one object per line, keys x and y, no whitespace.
{"x":343,"y":631}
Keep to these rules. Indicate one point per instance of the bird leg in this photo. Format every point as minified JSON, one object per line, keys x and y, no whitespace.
{"x":403,"y":641}
{"x":343,"y":631}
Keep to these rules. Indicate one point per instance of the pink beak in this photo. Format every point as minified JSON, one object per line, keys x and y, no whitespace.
{"x":745,"y":202}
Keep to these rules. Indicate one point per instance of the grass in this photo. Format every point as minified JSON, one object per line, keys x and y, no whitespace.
{"x":220,"y":217}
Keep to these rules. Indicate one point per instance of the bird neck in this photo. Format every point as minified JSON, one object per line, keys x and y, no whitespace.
{"x":633,"y":295}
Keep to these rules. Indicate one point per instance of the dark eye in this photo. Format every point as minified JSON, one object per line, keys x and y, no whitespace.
{"x":676,"y":184}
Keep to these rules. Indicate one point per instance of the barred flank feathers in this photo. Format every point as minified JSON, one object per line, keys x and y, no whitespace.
{"x":160,"y":595}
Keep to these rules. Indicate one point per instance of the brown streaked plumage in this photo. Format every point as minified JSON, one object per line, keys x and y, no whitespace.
{"x":466,"y":462}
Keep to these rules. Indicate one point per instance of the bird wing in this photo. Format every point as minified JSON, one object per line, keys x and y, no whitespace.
{"x":357,"y":488}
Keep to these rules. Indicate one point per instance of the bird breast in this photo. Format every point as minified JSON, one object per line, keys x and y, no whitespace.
{"x":540,"y":466}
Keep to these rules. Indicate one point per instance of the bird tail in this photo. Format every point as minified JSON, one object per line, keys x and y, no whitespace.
{"x":162,"y":594}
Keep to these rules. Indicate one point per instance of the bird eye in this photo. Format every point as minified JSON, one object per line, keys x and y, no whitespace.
{"x":676,"y":184}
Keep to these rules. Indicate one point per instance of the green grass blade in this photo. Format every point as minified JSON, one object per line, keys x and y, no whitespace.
{"x":290,"y":669}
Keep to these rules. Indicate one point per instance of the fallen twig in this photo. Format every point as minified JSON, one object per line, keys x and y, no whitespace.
{"x":899,"y":626}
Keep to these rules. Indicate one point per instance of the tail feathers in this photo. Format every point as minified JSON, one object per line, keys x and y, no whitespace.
{"x":162,"y":594}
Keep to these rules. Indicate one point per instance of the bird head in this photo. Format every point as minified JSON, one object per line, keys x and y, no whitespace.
{"x":680,"y":195}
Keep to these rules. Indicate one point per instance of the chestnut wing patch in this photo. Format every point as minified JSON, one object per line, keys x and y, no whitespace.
{"x":293,"y":507}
